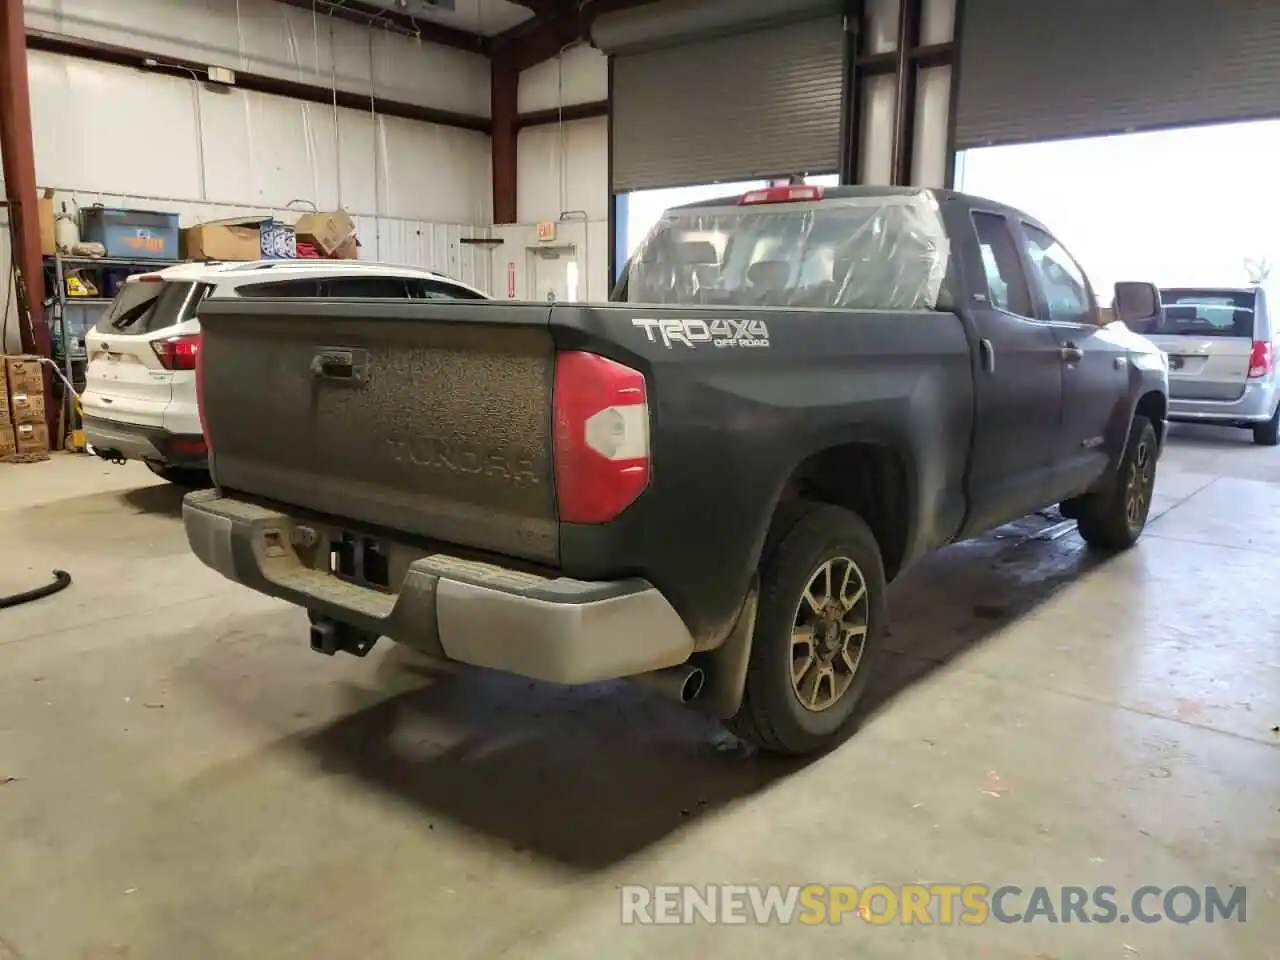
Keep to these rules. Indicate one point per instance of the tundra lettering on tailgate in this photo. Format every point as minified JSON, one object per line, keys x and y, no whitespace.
{"x":722,"y":332}
{"x":432,"y":453}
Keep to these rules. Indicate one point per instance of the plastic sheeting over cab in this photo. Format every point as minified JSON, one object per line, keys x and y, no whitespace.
{"x":792,"y":247}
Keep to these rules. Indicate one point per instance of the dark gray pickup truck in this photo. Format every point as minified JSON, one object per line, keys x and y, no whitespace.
{"x":704,"y":485}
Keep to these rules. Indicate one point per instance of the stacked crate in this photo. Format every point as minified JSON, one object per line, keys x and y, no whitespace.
{"x":24,"y":432}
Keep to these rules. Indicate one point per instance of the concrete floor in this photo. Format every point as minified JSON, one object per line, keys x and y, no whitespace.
{"x":181,"y":778}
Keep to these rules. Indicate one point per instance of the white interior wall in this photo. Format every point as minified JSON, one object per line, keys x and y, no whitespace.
{"x":272,"y":39}
{"x":579,"y":75}
{"x":562,"y":176}
{"x":134,"y":138}
{"x":413,"y":188}
{"x":562,"y":169}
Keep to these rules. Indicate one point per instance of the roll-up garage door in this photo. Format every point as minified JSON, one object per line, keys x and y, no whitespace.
{"x":1036,"y":71}
{"x":698,"y":99}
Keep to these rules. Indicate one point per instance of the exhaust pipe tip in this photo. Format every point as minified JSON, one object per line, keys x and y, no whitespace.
{"x":682,"y":684}
{"x":692,"y":685}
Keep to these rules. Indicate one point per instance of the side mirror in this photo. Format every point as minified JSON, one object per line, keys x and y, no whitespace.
{"x":1137,"y":305}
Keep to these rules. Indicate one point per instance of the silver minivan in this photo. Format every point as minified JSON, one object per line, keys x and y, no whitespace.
{"x":1222,"y":349}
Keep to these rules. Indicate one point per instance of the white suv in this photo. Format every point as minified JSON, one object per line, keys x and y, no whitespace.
{"x":139,"y":400}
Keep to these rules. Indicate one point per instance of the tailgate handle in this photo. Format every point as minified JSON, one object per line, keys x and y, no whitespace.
{"x":338,"y":363}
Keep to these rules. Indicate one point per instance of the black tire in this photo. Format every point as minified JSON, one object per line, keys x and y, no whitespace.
{"x":189,"y":477}
{"x":1113,"y":519}
{"x":803,"y":539}
{"x":1268,"y":434}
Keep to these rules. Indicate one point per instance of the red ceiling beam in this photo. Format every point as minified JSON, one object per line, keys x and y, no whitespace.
{"x":18,"y":154}
{"x":504,"y":89}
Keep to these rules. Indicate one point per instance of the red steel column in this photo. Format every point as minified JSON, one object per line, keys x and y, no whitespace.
{"x":504,"y":86}
{"x":20,"y":172}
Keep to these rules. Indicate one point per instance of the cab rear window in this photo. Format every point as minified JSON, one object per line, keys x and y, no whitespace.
{"x":876,"y":252}
{"x":1206,"y":313}
{"x":147,"y":306}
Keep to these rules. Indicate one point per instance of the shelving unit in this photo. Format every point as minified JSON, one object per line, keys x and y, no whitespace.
{"x":66,"y":348}
{"x":56,"y":275}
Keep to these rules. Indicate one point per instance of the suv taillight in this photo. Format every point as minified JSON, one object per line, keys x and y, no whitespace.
{"x":601,"y":437}
{"x":178,"y":353}
{"x":1261,"y":359}
{"x":204,"y":427}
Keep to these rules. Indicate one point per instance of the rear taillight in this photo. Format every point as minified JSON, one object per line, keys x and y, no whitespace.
{"x":791,"y":194}
{"x":178,"y":353}
{"x":601,"y":437}
{"x":1261,"y":359}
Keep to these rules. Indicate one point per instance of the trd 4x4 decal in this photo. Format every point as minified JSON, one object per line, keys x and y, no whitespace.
{"x":721,"y":332}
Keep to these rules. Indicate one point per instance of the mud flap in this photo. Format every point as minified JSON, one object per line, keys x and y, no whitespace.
{"x":726,"y":666}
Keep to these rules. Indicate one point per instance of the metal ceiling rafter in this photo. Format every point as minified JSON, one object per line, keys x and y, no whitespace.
{"x":545,"y":35}
{"x":547,"y":8}
{"x":366,"y":14}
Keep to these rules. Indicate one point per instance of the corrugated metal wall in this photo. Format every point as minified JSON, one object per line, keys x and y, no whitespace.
{"x":731,"y":108}
{"x":1035,"y":71}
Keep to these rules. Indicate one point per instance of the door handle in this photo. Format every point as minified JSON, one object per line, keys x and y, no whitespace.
{"x":987,"y":353}
{"x":1070,"y":353}
{"x":339,"y":363}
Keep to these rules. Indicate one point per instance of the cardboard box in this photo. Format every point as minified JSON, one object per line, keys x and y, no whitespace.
{"x":31,"y":438}
{"x":22,"y":373}
{"x":48,"y":235}
{"x":26,"y":407}
{"x":328,"y":231}
{"x":235,"y":239}
{"x":8,"y":441}
{"x":349,"y":249}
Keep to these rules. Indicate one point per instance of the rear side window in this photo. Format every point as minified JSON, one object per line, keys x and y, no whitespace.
{"x":423,"y":289}
{"x":361,"y":288}
{"x":366,"y":288}
{"x":280,"y":288}
{"x":1007,"y":288}
{"x":146,"y":306}
{"x":1206,"y":313}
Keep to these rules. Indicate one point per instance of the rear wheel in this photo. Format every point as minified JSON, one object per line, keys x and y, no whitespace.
{"x":1114,"y":518}
{"x":190,"y":477}
{"x":818,"y":625}
{"x":1268,"y":434}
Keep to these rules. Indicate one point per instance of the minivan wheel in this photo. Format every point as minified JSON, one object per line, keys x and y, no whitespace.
{"x":818,"y":625}
{"x":1113,"y":519}
{"x":190,"y":477}
{"x":1268,"y":434}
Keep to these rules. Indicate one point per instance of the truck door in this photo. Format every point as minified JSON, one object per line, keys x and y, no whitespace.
{"x":1095,"y":371}
{"x":1018,"y":386}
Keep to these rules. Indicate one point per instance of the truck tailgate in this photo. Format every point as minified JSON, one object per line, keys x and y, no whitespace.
{"x":432,"y":418}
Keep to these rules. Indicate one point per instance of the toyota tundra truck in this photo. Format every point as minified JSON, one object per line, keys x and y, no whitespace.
{"x":703,"y":485}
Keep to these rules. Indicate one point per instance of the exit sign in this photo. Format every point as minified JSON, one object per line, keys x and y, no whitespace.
{"x":546,"y":231}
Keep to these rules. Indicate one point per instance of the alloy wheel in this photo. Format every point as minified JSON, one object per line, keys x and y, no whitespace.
{"x":1141,"y":483}
{"x":829,"y":634}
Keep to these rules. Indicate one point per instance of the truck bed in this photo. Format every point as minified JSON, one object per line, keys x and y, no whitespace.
{"x":444,"y":431}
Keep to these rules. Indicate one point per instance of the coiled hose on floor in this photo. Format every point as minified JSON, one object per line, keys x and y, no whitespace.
{"x":61,"y":580}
